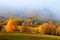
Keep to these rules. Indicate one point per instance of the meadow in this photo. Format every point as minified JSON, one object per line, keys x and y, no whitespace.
{"x":27,"y":36}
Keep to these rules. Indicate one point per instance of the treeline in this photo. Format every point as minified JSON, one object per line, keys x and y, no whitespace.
{"x":20,"y":25}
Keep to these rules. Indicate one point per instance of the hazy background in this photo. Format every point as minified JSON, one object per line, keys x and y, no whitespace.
{"x":43,"y":8}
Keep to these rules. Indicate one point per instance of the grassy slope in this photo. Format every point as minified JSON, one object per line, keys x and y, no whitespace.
{"x":27,"y":36}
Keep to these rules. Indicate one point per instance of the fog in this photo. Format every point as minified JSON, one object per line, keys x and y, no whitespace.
{"x":43,"y":8}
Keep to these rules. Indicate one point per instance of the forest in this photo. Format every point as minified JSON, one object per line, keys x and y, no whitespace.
{"x":30,"y":26}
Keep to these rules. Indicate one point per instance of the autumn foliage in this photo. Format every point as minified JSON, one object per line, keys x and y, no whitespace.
{"x":44,"y":28}
{"x":58,"y":31}
{"x":47,"y":28}
{"x":11,"y":25}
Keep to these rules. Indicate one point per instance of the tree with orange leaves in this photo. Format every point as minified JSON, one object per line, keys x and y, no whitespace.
{"x":43,"y":28}
{"x":58,"y":31}
{"x":52,"y":27}
{"x":47,"y":28}
{"x":11,"y":25}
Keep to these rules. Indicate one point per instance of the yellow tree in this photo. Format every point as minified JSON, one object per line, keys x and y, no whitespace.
{"x":43,"y":28}
{"x":23,"y":28}
{"x":11,"y":25}
{"x":58,"y":31}
{"x":52,"y":27}
{"x":47,"y":28}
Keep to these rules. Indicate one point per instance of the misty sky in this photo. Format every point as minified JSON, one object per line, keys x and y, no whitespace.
{"x":53,"y":5}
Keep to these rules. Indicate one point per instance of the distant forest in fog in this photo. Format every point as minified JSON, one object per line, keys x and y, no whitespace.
{"x":42,"y":14}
